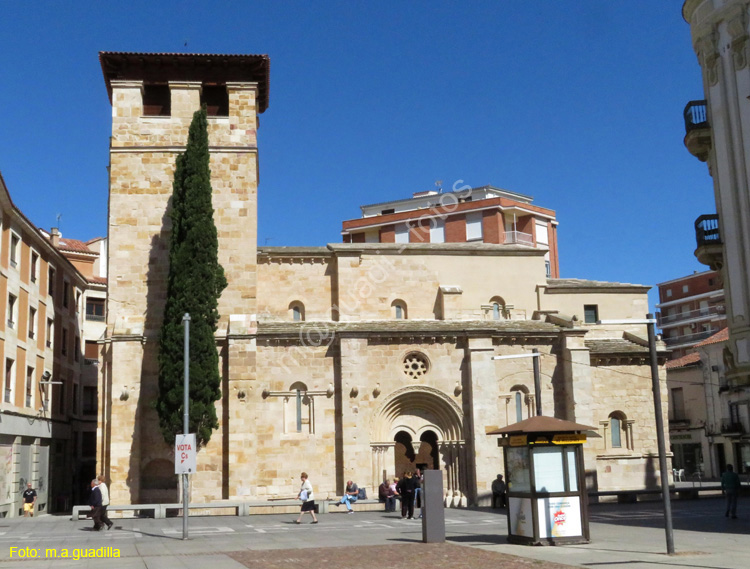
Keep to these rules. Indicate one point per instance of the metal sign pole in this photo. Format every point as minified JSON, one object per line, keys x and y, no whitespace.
{"x":185,"y":421}
{"x":660,"y":434}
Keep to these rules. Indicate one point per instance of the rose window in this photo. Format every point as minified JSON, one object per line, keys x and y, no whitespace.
{"x":415,"y":365}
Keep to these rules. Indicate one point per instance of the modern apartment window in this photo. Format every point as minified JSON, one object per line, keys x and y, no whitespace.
{"x":437,"y":230}
{"x":88,"y":444}
{"x":64,"y":343}
{"x":387,"y":211}
{"x":548,"y":268}
{"x":32,"y":322}
{"x":34,"y":267}
{"x":29,"y":386}
{"x":669,"y":293}
{"x":50,"y":331}
{"x":590,"y":313}
{"x":51,"y":274}
{"x":710,"y":282}
{"x":9,"y":367}
{"x":89,"y":400}
{"x":12,"y":310}
{"x":678,"y":404}
{"x":684,"y":288}
{"x":95,"y":309}
{"x":15,"y":243}
{"x":402,"y":233}
{"x":66,"y":294}
{"x":474,"y":226}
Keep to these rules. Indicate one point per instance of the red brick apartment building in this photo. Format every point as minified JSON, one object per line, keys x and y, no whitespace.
{"x":485,"y":214}
{"x":690,"y":310}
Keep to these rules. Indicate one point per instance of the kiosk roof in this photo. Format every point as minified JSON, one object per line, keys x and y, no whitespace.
{"x":542,"y":424}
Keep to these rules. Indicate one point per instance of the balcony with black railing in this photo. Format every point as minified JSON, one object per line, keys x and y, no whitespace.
{"x":679,"y":318}
{"x":689,"y":339}
{"x":697,"y":129}
{"x":708,"y":241}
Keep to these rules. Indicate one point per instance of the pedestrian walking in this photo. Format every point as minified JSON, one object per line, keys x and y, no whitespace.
{"x":29,"y":501}
{"x":730,"y":485}
{"x":95,"y":501}
{"x":350,"y":496}
{"x":308,"y":500}
{"x":105,"y":501}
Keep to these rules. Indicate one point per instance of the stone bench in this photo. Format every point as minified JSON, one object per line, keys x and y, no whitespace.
{"x":237,"y":508}
{"x":85,"y":511}
{"x":329,"y":506}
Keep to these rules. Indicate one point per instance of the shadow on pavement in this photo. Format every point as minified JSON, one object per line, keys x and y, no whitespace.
{"x":490,"y":539}
{"x":703,"y":515}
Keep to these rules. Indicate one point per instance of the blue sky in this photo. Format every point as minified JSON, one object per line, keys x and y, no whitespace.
{"x":578,"y":104}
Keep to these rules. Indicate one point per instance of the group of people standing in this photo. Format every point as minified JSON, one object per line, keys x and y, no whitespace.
{"x":408,"y":489}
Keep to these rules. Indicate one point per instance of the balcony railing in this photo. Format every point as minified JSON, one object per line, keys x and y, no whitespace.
{"x":699,"y":313}
{"x":728,"y":426}
{"x":707,"y":230}
{"x":689,"y":338}
{"x":519,"y":237}
{"x":695,"y":115}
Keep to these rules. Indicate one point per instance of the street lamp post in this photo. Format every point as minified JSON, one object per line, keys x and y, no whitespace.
{"x":650,"y":323}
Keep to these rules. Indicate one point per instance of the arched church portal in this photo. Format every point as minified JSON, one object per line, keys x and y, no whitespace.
{"x":420,"y":427}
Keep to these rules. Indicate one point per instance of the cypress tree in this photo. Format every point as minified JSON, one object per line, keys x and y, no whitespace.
{"x":194,"y":283}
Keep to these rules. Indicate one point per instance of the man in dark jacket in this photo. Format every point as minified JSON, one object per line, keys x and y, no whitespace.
{"x":95,"y":501}
{"x":730,"y":485}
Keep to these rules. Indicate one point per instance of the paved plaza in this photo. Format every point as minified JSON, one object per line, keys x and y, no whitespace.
{"x":622,"y":536}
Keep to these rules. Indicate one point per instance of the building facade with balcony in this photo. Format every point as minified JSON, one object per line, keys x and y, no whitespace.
{"x":690,"y":309}
{"x":709,"y":422}
{"x":480,"y":215}
{"x":40,"y":342}
{"x":718,"y":133}
{"x":89,"y":258}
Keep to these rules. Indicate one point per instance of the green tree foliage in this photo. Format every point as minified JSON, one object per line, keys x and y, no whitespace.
{"x":194,"y":284}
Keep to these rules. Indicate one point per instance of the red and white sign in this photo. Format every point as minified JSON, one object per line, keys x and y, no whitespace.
{"x":184,"y":454}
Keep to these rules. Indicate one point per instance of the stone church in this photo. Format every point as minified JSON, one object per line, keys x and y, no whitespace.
{"x":355,"y":360}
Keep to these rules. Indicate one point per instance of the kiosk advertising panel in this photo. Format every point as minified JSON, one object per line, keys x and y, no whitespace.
{"x":559,"y":517}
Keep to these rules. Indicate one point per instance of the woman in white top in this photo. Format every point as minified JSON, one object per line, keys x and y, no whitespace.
{"x":306,"y":495}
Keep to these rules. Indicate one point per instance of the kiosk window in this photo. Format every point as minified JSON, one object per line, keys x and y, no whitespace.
{"x":518,"y":469}
{"x":570,"y":455}
{"x":549,"y":475}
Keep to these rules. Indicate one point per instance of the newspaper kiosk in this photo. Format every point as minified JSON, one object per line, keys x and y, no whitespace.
{"x":544,"y":472}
